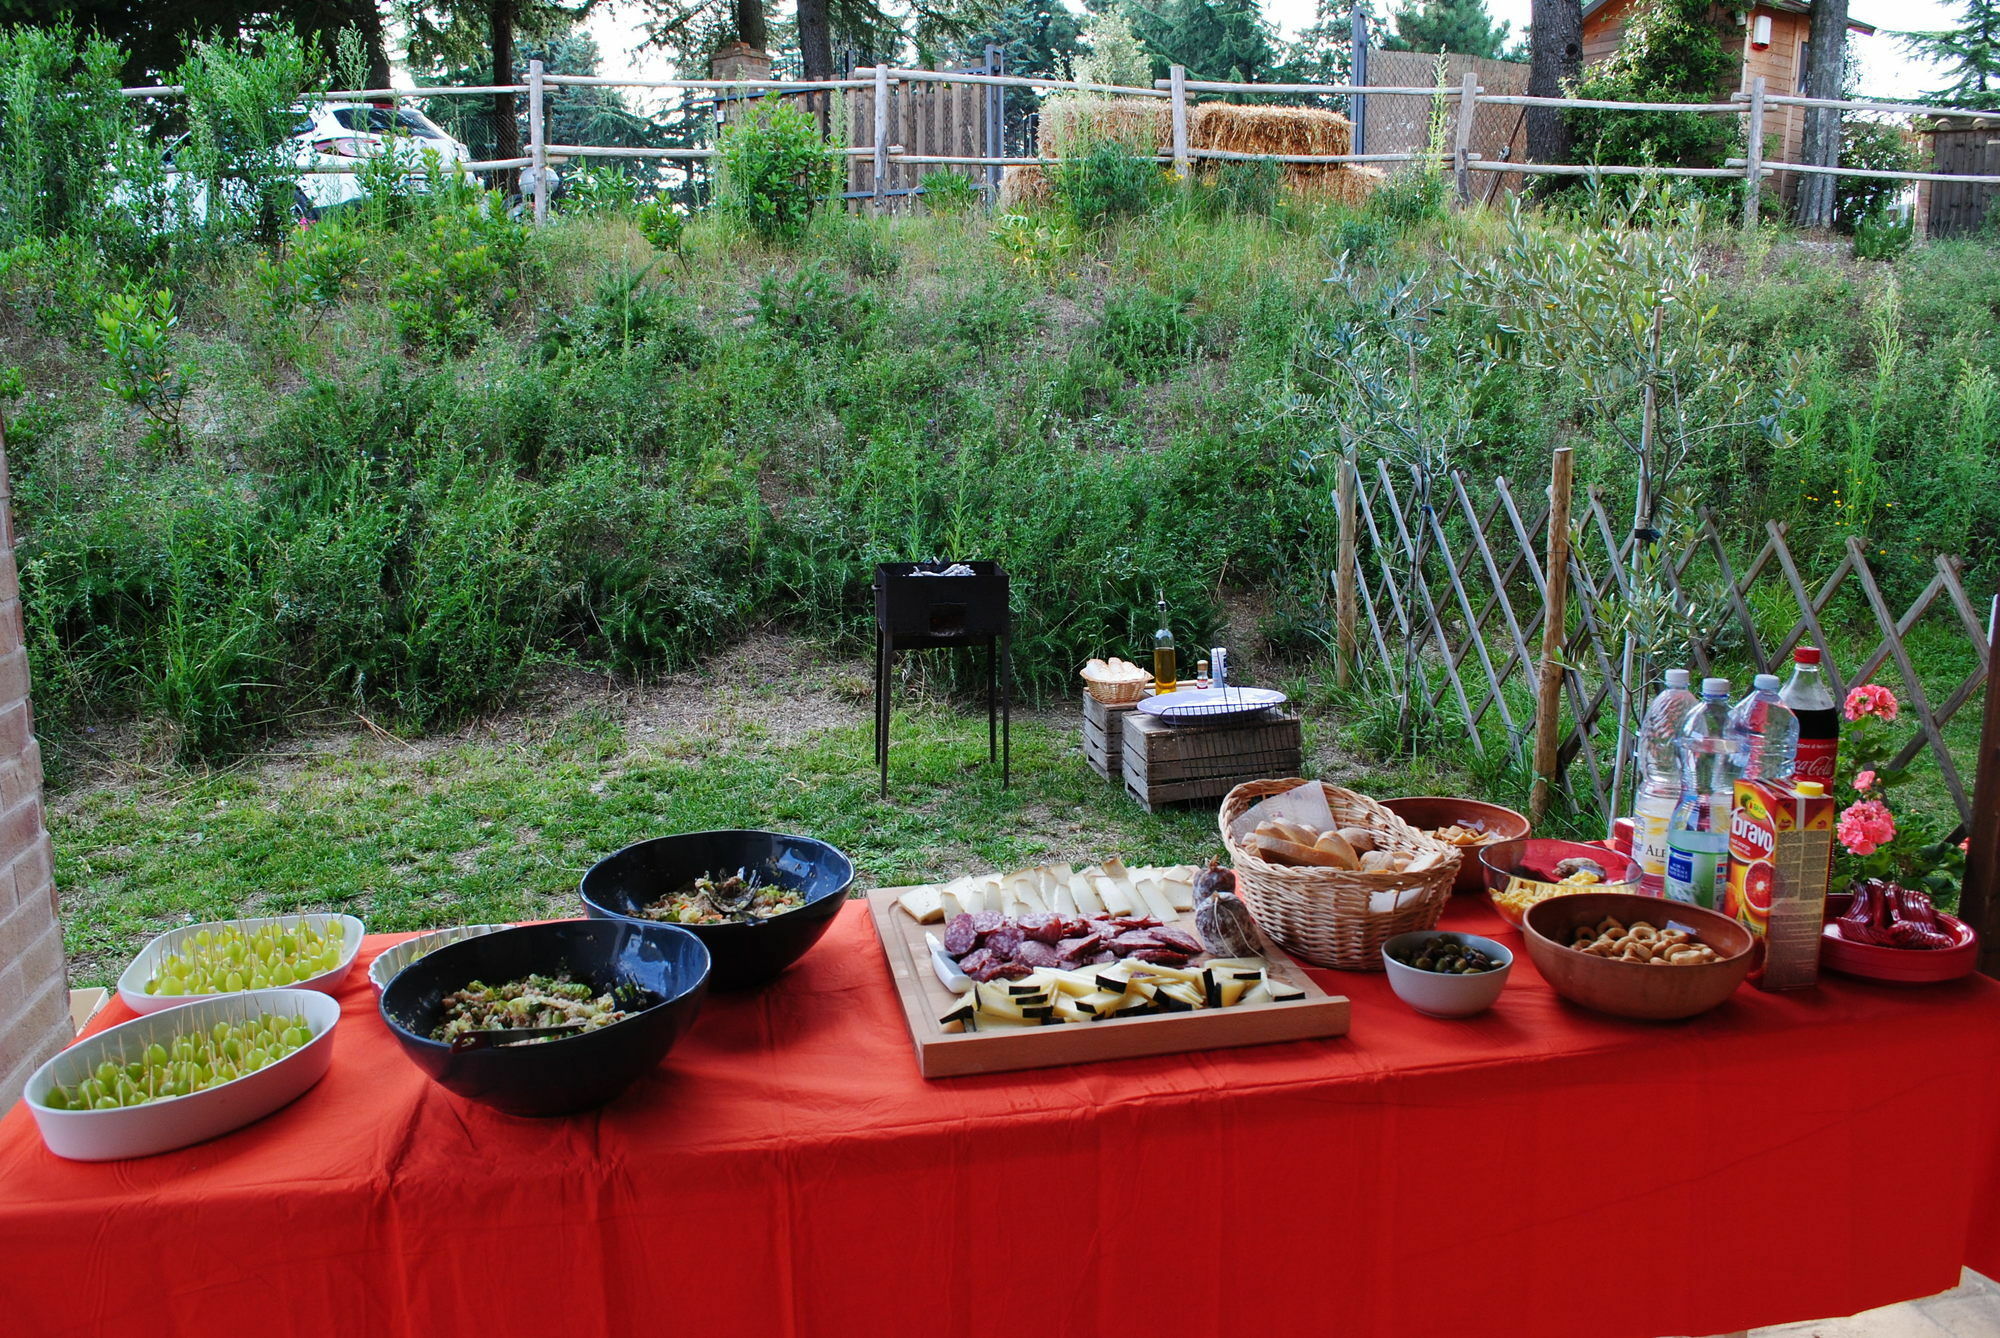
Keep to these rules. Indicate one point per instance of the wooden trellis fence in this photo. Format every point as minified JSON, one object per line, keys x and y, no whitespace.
{"x":1475,"y":606}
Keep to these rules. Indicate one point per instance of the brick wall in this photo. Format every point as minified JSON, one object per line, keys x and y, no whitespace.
{"x":34,"y":997}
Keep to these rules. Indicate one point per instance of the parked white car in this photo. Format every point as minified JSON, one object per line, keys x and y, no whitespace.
{"x":338,"y":136}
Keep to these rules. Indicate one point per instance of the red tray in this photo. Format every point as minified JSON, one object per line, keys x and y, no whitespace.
{"x":1898,"y":966}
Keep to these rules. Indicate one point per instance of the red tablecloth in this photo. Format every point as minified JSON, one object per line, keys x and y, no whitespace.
{"x":1537,"y":1171}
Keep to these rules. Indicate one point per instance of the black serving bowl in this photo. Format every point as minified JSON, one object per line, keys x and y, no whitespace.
{"x":746,"y":955}
{"x":571,"y":1073}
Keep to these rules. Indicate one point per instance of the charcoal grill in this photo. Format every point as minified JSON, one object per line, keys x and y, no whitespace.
{"x":917,"y":608}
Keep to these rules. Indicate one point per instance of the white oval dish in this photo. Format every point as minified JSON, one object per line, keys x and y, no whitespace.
{"x":132,"y":981}
{"x":391,"y":960}
{"x":1437,"y":994}
{"x":175,"y":1122}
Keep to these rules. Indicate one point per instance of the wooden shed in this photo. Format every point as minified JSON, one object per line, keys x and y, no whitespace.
{"x":1963,"y":147}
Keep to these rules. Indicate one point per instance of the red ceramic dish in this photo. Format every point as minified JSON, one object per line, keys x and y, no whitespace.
{"x":1902,"y":966}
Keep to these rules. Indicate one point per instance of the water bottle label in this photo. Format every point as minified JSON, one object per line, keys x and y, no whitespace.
{"x":1691,"y":876}
{"x":1649,"y":842}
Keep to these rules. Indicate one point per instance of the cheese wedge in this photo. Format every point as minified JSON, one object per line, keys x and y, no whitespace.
{"x":1180,"y":895}
{"x":1158,"y":904}
{"x":922,"y":904}
{"x":1085,"y":896}
{"x":1062,"y":901}
{"x":1116,"y":896}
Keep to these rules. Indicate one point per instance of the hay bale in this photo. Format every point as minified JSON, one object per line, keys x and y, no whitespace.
{"x":1304,"y":130}
{"x":1346,"y":183}
{"x":1024,"y":186}
{"x":1071,"y":123}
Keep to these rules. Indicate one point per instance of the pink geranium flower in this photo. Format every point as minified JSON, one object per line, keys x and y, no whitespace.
{"x":1871,"y":699}
{"x":1863,"y":779}
{"x":1866,"y":826}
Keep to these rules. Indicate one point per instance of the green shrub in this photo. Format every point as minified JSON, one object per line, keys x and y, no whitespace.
{"x":1878,"y":147}
{"x":1409,"y":197}
{"x":811,"y":307}
{"x":625,"y":311}
{"x":775,"y":169}
{"x":1106,"y":181}
{"x":1145,"y":333}
{"x":138,"y":332}
{"x":1883,"y":236}
{"x":464,"y":270}
{"x":241,"y":103}
{"x":313,"y":274}
{"x":948,"y":193}
{"x":1671,"y":51}
{"x":664,"y":227}
{"x":599,"y":190}
{"x":62,"y":124}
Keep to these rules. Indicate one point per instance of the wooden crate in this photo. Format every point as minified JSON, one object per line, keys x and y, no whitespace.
{"x":1104,"y":736}
{"x":943,"y":1055}
{"x":1167,"y":764}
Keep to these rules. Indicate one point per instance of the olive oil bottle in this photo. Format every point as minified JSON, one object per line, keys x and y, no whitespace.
{"x":1166,"y":676}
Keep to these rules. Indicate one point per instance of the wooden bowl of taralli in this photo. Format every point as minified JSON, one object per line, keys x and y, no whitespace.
{"x":1633,"y":988}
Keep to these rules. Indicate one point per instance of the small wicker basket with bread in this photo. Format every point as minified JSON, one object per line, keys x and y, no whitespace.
{"x":1335,"y":896}
{"x":1115,"y":682}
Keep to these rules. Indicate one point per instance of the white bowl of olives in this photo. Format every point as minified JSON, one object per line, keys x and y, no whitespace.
{"x":1444,"y":974}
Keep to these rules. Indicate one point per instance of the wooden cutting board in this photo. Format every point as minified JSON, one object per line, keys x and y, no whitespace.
{"x":942,"y":1054}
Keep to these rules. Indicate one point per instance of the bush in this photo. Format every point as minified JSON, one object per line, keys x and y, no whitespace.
{"x":240,"y":110}
{"x":775,"y":169}
{"x":1145,"y":333}
{"x":664,"y":226}
{"x":62,"y":123}
{"x":138,"y":331}
{"x":810,"y":307}
{"x":1875,"y":146}
{"x":1671,"y":51}
{"x":948,"y":193}
{"x":1883,"y":236}
{"x":1409,"y":197}
{"x":1105,"y":181}
{"x":1252,"y":189}
{"x":465,"y":269}
{"x":598,"y":191}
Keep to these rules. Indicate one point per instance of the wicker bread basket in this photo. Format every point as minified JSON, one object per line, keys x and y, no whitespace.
{"x":1328,"y":916}
{"x":1122,"y":692}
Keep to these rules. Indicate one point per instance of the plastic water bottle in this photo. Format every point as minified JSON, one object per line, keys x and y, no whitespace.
{"x":1698,"y":833}
{"x":1764,"y":732}
{"x":1659,"y":778}
{"x":1811,"y":702}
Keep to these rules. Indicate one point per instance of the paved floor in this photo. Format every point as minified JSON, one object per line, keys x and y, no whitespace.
{"x":1969,"y":1310}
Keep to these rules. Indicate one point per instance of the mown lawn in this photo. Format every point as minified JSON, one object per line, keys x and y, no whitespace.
{"x":502,"y":829}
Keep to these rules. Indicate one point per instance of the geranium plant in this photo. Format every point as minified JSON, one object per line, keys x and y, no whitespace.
{"x":1878,"y":837}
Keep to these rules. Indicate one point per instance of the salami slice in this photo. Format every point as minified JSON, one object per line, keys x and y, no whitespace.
{"x":1104,"y":958}
{"x":1009,"y":970}
{"x":1043,"y":928}
{"x":1005,"y":939}
{"x":976,"y":962}
{"x":1161,"y":957}
{"x":1134,"y":939}
{"x":1081,"y":949}
{"x":959,"y":936}
{"x":1175,"y":939}
{"x":1035,"y":953}
{"x":988,"y":921}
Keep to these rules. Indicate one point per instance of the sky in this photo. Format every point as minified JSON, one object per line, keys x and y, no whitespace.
{"x":1886,"y":70}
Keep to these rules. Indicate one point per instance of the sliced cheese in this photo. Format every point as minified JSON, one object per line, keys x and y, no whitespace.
{"x":1179,"y":894}
{"x":922,"y":904}
{"x":1116,"y":895}
{"x":1158,"y":904}
{"x":1062,"y":901}
{"x":1085,"y":896}
{"x":950,"y":907}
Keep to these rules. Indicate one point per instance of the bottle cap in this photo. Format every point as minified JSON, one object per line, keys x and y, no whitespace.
{"x":1806,"y":655}
{"x":1715,"y":687}
{"x":1677,"y":678}
{"x":1765,"y":682}
{"x":1810,"y":789}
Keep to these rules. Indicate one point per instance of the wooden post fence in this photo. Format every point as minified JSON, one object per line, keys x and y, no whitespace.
{"x":881,"y":134}
{"x":538,"y":142}
{"x":1555,"y":616}
{"x":1178,"y":77}
{"x":1345,"y":609}
{"x":1753,"y":154}
{"x":1461,"y":144}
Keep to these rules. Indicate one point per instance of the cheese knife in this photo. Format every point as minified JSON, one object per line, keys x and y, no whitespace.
{"x":947,"y":970}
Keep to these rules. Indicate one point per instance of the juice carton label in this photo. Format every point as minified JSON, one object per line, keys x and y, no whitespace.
{"x":1780,"y":851}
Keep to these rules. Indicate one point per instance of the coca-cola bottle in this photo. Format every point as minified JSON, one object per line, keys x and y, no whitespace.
{"x":1811,"y":700}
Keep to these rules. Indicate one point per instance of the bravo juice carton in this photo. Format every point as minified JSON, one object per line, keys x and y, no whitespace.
{"x":1780,"y":853}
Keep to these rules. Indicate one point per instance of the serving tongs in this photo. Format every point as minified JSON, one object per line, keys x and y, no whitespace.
{"x":496,"y":1038}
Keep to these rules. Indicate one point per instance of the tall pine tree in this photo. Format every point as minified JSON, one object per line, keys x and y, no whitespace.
{"x":1462,"y":27}
{"x":1224,"y":40}
{"x":1970,"y":55}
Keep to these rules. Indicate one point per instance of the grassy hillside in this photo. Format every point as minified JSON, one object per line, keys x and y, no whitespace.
{"x":403,"y":460}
